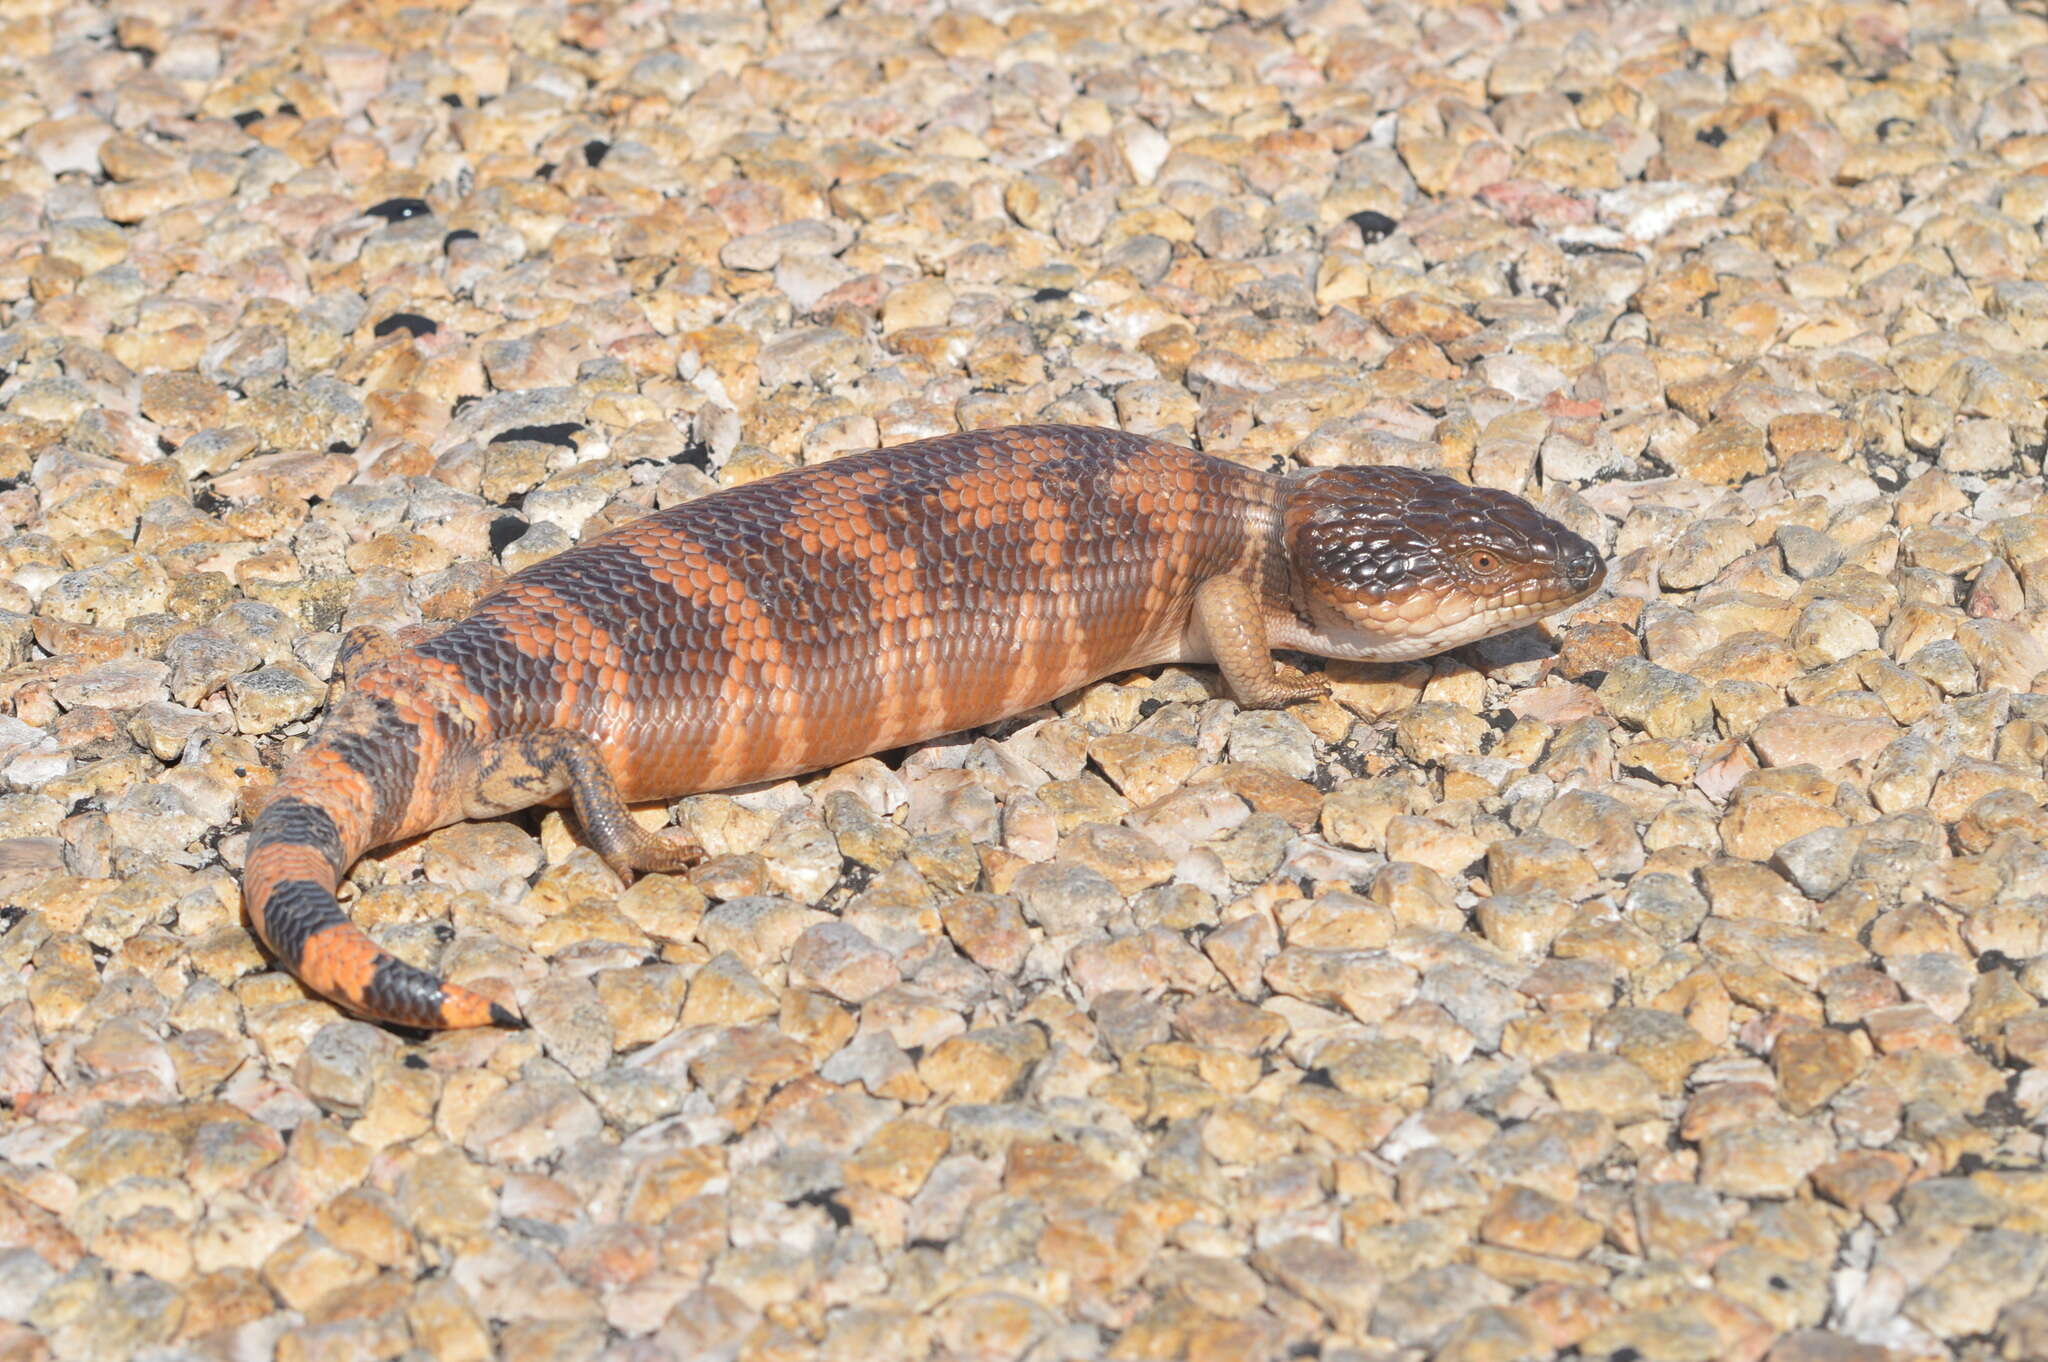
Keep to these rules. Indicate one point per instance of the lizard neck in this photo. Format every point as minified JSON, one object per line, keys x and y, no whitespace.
{"x":1271,"y":565}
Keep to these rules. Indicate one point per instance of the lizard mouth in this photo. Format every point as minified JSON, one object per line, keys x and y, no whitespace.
{"x":1448,"y":618}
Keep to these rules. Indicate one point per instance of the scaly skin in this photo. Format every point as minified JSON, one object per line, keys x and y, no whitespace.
{"x":876,"y":600}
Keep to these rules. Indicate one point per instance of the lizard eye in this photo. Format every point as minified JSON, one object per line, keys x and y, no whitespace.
{"x":1483,"y":561}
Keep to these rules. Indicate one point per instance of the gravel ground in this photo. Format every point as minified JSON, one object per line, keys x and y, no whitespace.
{"x":1664,"y":984}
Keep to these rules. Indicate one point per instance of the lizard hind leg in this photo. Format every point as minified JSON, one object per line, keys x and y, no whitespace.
{"x":362,"y":648}
{"x":519,"y":772}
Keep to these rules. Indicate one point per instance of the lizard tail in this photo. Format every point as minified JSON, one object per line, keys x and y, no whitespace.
{"x":345,"y":792}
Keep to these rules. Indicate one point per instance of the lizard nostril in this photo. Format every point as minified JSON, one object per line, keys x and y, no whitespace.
{"x":1582,"y":564}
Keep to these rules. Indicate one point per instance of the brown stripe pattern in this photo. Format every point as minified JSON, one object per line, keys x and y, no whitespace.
{"x":882,"y":598}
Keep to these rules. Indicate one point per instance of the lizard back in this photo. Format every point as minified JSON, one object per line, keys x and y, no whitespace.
{"x":873,"y":601}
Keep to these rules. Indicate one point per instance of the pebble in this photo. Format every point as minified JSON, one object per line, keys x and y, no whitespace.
{"x":1656,"y":700}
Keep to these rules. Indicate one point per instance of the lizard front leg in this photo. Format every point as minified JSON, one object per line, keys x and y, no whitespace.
{"x":1230,"y":621}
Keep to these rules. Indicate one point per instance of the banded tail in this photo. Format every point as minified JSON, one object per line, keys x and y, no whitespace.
{"x":369,"y":776}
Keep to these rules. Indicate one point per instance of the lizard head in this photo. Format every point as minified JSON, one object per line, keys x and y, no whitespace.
{"x":1394,"y":563}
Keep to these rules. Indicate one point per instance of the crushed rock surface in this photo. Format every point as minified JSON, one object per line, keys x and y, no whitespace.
{"x":1665,"y":983}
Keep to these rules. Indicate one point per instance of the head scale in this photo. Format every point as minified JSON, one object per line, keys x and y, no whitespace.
{"x":1393,"y":563}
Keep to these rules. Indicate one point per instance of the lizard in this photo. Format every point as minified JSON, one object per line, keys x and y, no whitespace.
{"x":855,"y":606}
